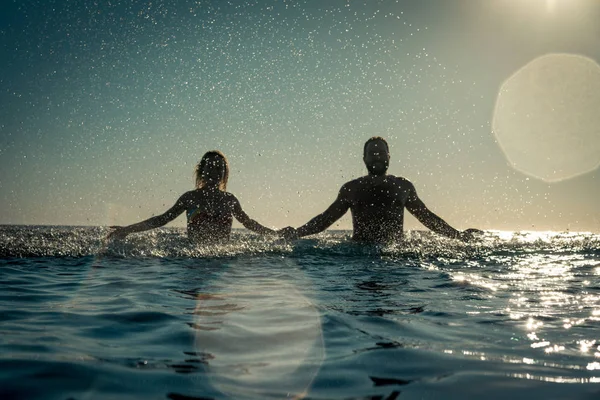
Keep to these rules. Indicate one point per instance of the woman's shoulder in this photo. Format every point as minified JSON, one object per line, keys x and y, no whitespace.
{"x":199,"y":195}
{"x":229,"y":196}
{"x":190,"y":194}
{"x":186,"y":198}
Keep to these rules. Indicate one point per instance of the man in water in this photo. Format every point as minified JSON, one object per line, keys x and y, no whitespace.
{"x":377,"y":203}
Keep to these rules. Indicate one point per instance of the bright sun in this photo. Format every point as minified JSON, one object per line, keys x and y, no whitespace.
{"x":550,"y":5}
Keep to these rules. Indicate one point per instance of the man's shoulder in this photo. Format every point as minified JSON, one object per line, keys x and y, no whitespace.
{"x":353,"y":184}
{"x":400,"y":180}
{"x":368,"y":179}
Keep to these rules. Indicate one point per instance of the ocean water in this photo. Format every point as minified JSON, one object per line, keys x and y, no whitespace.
{"x":514,"y":315}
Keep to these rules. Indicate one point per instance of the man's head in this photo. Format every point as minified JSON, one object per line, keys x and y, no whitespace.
{"x":376,"y":155}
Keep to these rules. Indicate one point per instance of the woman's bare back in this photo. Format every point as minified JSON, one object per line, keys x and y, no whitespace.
{"x":209,"y":215}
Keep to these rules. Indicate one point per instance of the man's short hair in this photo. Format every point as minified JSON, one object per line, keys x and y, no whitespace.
{"x":374,"y":139}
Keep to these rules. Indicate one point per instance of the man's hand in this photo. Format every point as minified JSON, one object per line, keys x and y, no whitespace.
{"x":469,"y":234}
{"x":288,"y":233}
{"x":118,"y":232}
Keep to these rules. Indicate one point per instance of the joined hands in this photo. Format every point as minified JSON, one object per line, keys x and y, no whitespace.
{"x":469,"y":234}
{"x":118,"y":232}
{"x":288,"y":233}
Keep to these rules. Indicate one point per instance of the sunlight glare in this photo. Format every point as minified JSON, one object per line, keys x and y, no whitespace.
{"x":533,"y":7}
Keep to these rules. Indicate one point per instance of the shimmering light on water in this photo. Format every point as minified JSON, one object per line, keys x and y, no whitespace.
{"x":546,"y":117}
{"x":558,"y":379}
{"x":593,"y":366}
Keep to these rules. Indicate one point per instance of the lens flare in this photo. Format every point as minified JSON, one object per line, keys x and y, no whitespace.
{"x":546,"y":118}
{"x":261,"y":334}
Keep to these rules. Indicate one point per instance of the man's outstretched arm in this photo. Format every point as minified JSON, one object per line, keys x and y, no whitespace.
{"x":417,"y":208}
{"x":324,"y":220}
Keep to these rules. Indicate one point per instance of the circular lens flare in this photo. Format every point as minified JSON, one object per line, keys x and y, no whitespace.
{"x":260,"y":334}
{"x":546,"y":118}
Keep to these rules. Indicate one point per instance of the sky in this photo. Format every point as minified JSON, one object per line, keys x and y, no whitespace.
{"x":490,"y":107}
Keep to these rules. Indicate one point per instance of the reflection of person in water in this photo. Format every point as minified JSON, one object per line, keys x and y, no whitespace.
{"x":377,"y":203}
{"x":209,"y":208}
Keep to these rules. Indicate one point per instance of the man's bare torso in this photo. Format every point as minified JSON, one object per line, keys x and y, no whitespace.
{"x":377,"y":205}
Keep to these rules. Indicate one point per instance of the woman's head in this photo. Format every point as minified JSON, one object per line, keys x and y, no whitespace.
{"x":213,"y":168}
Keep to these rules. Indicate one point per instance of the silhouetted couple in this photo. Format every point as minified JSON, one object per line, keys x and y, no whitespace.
{"x":376,"y":201}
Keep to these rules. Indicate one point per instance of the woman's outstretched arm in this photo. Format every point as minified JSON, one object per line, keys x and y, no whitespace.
{"x":120,"y":232}
{"x":248,"y":222}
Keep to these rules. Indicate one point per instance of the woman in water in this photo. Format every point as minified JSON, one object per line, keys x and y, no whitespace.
{"x":209,"y":208}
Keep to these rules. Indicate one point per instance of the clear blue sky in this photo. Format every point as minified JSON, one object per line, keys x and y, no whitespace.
{"x":107,"y":107}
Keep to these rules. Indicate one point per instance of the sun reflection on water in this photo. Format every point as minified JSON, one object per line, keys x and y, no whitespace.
{"x":555,"y":379}
{"x":550,"y":291}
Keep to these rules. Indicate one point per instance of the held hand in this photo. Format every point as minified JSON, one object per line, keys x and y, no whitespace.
{"x":288,"y":233}
{"x":469,"y":234}
{"x":118,"y":232}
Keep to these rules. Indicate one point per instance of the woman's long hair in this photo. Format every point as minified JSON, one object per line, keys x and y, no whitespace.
{"x":200,"y":167}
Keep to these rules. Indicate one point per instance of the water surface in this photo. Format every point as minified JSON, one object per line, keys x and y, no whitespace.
{"x":514,"y":315}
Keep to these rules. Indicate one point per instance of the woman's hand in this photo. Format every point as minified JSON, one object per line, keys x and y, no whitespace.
{"x":119,"y":232}
{"x":469,"y":234}
{"x":288,"y":233}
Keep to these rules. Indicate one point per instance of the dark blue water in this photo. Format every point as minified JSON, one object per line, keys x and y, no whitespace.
{"x":515,"y":315}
